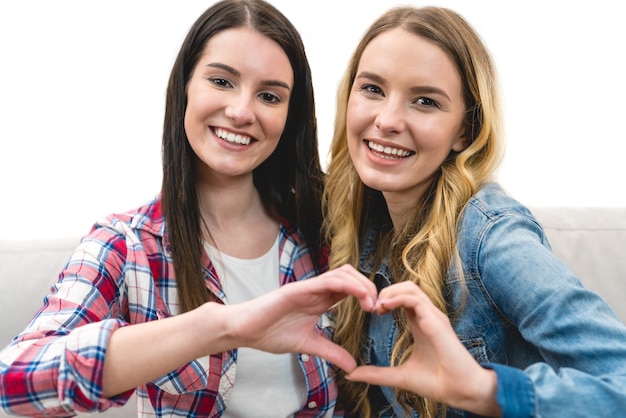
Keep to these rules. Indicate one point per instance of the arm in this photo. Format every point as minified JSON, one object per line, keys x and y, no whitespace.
{"x":579,"y":338}
{"x":281,"y":321}
{"x":582,"y":343}
{"x":78,"y":352}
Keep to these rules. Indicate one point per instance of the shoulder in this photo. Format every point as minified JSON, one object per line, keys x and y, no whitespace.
{"x":142,"y":227}
{"x":146,"y":218}
{"x":492,"y":201}
{"x":492,"y":204}
{"x":138,"y":231}
{"x":493,"y":215}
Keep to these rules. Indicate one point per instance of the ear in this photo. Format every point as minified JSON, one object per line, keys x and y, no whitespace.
{"x":462,"y":141}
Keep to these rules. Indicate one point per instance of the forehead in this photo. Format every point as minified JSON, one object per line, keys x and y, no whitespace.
{"x":401,"y":56}
{"x":244,"y":48}
{"x":408,"y":48}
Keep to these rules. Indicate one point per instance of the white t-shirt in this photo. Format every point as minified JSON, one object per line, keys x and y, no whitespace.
{"x":266,"y":385}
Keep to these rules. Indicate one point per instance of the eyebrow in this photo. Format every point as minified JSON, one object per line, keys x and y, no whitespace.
{"x":414,"y":90}
{"x":233,"y":71}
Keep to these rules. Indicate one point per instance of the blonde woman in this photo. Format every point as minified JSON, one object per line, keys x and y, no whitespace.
{"x":475,"y":315}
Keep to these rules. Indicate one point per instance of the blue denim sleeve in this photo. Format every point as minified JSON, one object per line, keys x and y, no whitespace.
{"x":516,"y":395}
{"x":579,"y":368}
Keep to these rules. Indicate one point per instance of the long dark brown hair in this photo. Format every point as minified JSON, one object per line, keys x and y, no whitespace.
{"x":290,"y":181}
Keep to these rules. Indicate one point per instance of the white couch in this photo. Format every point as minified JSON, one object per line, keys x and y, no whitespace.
{"x":591,"y":241}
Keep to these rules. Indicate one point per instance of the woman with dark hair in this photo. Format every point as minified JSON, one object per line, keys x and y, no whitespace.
{"x":187,"y":298}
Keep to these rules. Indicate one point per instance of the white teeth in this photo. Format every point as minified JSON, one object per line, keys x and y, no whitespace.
{"x":389,"y":151}
{"x":232,"y":138}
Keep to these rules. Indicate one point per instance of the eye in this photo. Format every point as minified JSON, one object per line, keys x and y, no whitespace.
{"x":221,"y":82}
{"x":426,"y":102}
{"x":371,"y":89}
{"x":270,"y":97}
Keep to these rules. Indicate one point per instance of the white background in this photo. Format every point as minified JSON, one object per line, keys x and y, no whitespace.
{"x":82,"y":86}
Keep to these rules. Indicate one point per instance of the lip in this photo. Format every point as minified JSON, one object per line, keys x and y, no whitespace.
{"x":382,"y":152}
{"x":232,"y":139}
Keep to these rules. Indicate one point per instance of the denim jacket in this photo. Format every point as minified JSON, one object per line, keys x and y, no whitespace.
{"x":557,"y":348}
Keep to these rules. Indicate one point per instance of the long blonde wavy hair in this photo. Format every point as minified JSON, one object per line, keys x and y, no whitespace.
{"x":426,"y":245}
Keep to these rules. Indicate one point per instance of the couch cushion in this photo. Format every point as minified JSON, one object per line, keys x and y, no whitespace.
{"x":27,"y":270}
{"x":592,"y":242}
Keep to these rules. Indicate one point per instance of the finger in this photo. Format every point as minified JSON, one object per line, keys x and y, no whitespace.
{"x":370,"y":295}
{"x":389,"y":303}
{"x":425,"y":319}
{"x":346,"y":280}
{"x":402,"y":288}
{"x":406,"y":295}
{"x":374,"y":375}
{"x":334,"y":353}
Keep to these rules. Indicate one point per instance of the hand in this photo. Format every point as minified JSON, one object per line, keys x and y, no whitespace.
{"x":285,"y":320}
{"x":282,"y":321}
{"x":439,"y":367}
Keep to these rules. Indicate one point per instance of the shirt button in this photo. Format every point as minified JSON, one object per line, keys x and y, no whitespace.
{"x":305,"y":357}
{"x":312,"y":404}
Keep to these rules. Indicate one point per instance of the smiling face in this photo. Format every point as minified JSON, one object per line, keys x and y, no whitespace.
{"x":237,"y":102}
{"x":404,"y":116}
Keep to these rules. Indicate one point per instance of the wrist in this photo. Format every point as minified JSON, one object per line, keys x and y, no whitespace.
{"x":214,"y":329}
{"x":481,"y":399}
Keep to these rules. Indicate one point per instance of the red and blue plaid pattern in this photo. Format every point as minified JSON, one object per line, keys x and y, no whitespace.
{"x":122,"y":273}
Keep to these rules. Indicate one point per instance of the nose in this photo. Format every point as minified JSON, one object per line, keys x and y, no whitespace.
{"x":241,"y":109}
{"x":391,"y":117}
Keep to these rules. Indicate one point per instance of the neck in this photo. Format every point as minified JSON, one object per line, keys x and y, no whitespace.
{"x":399,"y":210}
{"x":230,"y":211}
{"x":221,"y":203}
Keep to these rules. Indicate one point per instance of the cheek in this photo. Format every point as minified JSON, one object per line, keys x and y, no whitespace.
{"x":193,"y":99}
{"x":195,"y":111}
{"x":357,"y":123}
{"x":187,"y":123}
{"x":353,"y":144}
{"x":192,"y":123}
{"x":273,"y":122}
{"x":355,"y":114}
{"x":353,"y":131}
{"x":281,"y":122}
{"x":434,"y":134}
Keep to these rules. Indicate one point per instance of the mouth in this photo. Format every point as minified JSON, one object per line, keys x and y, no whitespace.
{"x":231,"y":137}
{"x":387,"y":152}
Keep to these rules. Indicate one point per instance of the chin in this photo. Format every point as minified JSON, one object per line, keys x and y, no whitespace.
{"x":374,"y":184}
{"x":372,"y":178}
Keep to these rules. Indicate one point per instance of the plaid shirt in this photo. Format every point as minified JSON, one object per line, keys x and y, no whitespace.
{"x":122,"y":273}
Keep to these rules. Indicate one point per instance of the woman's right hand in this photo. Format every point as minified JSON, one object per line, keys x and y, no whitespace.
{"x":285,"y":320}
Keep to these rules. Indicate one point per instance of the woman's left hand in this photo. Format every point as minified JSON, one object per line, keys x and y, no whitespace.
{"x":440,"y":367}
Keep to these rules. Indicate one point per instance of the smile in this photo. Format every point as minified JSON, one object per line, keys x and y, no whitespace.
{"x":388,"y":152}
{"x":231,"y":137}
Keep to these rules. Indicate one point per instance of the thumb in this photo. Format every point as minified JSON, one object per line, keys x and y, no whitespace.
{"x":322,"y":347}
{"x":374,"y":375}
